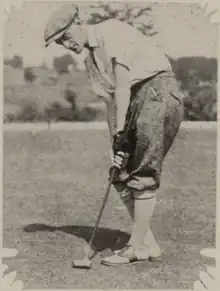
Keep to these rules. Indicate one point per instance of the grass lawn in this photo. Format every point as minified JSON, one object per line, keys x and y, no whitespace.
{"x":53,"y":186}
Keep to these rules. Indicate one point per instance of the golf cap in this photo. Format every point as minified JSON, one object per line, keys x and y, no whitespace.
{"x":59,"y":22}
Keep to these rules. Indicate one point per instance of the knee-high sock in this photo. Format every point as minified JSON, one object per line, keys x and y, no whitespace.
{"x":143,"y":210}
{"x":152,"y":244}
{"x":149,"y":240}
{"x":130,"y":207}
{"x":127,"y":198}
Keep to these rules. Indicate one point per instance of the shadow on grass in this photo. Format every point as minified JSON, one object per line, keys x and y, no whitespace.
{"x":105,"y":238}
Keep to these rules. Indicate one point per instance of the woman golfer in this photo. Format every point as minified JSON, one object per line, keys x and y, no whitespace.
{"x":129,"y":72}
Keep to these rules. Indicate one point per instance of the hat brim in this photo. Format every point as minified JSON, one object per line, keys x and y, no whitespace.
{"x":54,"y":38}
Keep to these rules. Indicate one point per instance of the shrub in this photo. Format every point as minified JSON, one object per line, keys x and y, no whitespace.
{"x":29,"y":75}
{"x":88,"y":114}
{"x":57,"y":112}
{"x":61,"y":64}
{"x":30,"y":112}
{"x":70,"y":96}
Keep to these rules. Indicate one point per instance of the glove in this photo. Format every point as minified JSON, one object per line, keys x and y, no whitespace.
{"x":122,"y":150}
{"x":121,"y":143}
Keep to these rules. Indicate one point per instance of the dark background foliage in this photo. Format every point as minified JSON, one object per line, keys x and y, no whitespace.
{"x":65,"y":93}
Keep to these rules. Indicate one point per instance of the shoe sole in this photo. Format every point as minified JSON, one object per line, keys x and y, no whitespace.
{"x":152,"y":259}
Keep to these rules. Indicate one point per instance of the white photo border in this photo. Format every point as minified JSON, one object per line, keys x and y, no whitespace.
{"x":212,"y":11}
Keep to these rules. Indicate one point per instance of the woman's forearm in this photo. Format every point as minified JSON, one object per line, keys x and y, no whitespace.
{"x":122,"y":97}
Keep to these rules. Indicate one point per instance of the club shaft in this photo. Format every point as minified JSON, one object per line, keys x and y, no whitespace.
{"x":102,"y":209}
{"x":114,"y":170}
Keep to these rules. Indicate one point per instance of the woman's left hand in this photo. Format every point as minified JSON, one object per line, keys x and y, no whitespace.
{"x":118,"y":160}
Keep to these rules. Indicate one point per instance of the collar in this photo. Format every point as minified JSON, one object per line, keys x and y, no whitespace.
{"x":92,"y":37}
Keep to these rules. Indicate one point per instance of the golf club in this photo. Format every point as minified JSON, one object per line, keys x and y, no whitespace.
{"x":86,"y":262}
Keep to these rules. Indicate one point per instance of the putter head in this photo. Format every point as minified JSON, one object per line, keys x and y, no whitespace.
{"x":82,"y":264}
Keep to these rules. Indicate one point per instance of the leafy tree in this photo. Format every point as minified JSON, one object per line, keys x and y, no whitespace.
{"x":190,"y":70}
{"x":201,"y":103}
{"x":130,"y":13}
{"x":198,"y":79}
{"x":16,"y":62}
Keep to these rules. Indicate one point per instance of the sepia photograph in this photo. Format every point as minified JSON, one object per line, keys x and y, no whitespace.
{"x":109,"y":145}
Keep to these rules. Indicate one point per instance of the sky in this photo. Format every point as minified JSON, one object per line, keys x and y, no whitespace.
{"x":183,"y":30}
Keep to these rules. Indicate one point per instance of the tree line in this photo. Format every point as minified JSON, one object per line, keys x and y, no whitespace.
{"x":197,"y":76}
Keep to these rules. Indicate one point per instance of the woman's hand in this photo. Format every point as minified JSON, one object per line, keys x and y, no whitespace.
{"x":118,"y":160}
{"x":120,"y":156}
{"x":121,"y":143}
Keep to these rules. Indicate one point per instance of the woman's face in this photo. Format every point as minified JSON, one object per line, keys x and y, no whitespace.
{"x":73,"y":39}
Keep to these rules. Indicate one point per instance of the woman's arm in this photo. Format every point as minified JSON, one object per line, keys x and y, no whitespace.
{"x":122,"y":94}
{"x":110,"y":115}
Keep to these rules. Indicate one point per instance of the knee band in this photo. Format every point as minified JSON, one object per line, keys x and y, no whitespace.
{"x":125,"y":193}
{"x":126,"y":196}
{"x":143,"y":195}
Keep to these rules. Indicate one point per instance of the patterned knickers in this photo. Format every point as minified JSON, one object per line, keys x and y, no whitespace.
{"x":159,"y":106}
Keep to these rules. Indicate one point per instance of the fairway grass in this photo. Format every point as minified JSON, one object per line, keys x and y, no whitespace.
{"x":53,"y":185}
